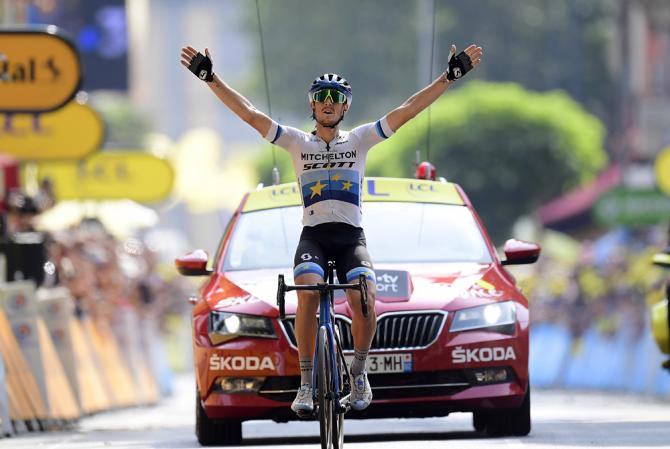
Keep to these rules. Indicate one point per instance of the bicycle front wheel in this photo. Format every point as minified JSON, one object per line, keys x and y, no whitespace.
{"x":338,"y":418}
{"x":324,"y":374}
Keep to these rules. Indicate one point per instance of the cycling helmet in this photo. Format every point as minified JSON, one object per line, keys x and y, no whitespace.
{"x":331,"y":81}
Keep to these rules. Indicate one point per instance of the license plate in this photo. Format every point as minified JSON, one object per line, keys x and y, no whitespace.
{"x":386,"y":363}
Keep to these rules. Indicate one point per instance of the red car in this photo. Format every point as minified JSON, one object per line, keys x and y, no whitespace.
{"x":452,"y":331}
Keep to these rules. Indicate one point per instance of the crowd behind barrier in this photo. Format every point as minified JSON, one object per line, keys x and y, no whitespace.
{"x":591,"y":316}
{"x":83,"y":321}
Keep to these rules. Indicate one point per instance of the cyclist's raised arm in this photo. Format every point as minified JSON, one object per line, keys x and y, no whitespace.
{"x":201,"y":66}
{"x":459,"y":65}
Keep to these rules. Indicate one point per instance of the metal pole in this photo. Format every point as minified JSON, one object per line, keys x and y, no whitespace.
{"x":14,"y":13}
{"x":424,"y":9}
{"x":6,"y":4}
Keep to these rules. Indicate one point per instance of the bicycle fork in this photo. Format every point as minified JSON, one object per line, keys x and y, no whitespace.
{"x":340,"y":394}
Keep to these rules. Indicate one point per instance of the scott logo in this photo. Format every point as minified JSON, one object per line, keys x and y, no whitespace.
{"x":239,"y":363}
{"x":316,"y":165}
{"x":203,"y":74}
{"x":460,"y":355}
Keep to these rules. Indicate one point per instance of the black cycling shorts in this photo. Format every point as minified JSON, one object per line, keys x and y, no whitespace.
{"x":340,"y":242}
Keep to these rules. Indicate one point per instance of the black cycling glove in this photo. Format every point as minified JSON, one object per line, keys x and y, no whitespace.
{"x":459,"y":65}
{"x":201,"y":65}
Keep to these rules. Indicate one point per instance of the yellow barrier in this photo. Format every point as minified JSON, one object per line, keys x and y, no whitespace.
{"x":147,"y":385}
{"x":19,"y":302}
{"x":115,"y":370}
{"x":58,"y":367}
{"x":25,"y":401}
{"x":60,"y":397}
{"x":94,"y":392}
{"x":5,"y":420}
{"x":56,"y":306}
{"x":127,"y":328}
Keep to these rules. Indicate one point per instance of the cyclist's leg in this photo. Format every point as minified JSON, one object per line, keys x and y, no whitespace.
{"x":309,"y":269}
{"x":353,"y":262}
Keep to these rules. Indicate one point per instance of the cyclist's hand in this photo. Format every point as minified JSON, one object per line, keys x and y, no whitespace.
{"x":462,"y":63}
{"x":196,"y":62}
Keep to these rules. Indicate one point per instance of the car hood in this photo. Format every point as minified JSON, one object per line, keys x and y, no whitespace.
{"x":428,"y":286}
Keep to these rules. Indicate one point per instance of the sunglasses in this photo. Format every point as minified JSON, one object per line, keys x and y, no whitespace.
{"x":335,"y":96}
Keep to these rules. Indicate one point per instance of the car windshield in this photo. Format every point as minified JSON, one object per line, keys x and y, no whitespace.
{"x":395,"y":233}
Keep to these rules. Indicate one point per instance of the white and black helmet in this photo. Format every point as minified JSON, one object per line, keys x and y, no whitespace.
{"x":331,"y":81}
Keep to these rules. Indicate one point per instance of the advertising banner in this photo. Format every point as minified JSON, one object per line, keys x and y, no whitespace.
{"x":112,"y":175}
{"x":71,"y":132}
{"x":39,"y":70}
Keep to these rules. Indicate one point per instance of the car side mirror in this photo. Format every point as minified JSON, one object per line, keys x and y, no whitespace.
{"x":193,"y":263}
{"x":661,"y":260}
{"x":518,"y":252}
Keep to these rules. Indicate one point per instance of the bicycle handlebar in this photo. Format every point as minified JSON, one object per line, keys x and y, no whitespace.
{"x":282,"y":288}
{"x":323,"y":287}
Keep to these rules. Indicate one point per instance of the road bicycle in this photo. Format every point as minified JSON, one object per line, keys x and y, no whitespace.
{"x":332,"y":388}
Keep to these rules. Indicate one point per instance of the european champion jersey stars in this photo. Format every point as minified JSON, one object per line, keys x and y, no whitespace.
{"x":316,"y":189}
{"x":335,"y":184}
{"x":330,"y":174}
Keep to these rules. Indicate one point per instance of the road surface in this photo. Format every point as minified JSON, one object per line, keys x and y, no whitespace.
{"x":560,"y":419}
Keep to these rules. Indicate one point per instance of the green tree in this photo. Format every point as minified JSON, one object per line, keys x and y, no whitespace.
{"x":543,"y":45}
{"x":510,"y":149}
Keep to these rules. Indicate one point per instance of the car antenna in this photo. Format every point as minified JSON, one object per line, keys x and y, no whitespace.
{"x":425,"y":169}
{"x":430,"y":80}
{"x":275,"y":169}
{"x":275,"y":175}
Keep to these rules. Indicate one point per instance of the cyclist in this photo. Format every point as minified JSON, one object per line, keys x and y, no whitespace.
{"x":330,"y":164}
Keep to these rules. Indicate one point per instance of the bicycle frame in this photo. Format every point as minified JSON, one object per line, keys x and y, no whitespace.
{"x":326,"y":318}
{"x":331,"y":395}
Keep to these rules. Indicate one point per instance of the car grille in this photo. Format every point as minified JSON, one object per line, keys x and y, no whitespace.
{"x":395,"y":331}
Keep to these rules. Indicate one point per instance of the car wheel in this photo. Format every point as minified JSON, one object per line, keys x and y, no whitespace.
{"x":520,"y":420}
{"x":510,"y":421}
{"x":479,"y":421}
{"x":212,"y":432}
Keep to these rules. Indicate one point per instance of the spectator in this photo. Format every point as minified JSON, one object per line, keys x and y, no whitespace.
{"x":606,"y":288}
{"x":25,"y":248}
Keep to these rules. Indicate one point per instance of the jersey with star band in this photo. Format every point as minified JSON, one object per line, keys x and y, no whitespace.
{"x":330,"y":175}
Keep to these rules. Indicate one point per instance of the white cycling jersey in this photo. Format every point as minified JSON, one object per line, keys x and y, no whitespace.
{"x":330,"y":176}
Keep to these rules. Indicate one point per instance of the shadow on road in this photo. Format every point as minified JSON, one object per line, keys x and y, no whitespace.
{"x":368,"y":438}
{"x":380,"y":438}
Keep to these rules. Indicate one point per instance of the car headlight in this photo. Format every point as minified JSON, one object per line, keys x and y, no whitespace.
{"x":498,"y":317}
{"x":224,"y":326}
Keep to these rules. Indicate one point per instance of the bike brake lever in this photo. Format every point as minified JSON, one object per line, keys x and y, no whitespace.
{"x":281,"y":290}
{"x":363,"y":285}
